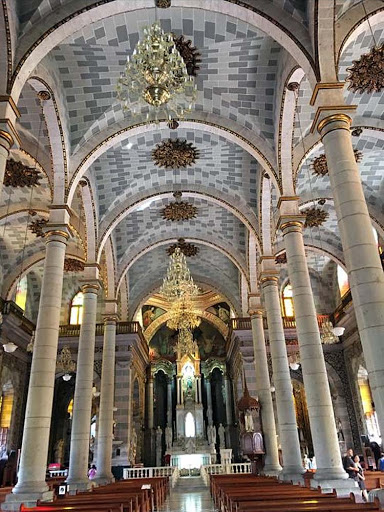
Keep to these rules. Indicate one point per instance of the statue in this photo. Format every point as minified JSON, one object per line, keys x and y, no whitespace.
{"x":339,"y":429}
{"x":248,"y":422}
{"x":133,"y":447}
{"x":211,"y":432}
{"x":190,"y":446}
{"x":221,"y":432}
{"x":58,"y":451}
{"x":159,"y":435}
{"x":168,"y":437}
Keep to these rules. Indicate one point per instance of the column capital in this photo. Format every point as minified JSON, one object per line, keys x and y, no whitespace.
{"x":9,"y":113}
{"x":269,"y":277}
{"x":110,"y":319}
{"x":90,"y":287}
{"x":256,"y":313}
{"x":57,"y":232}
{"x":339,"y":121}
{"x":331,"y":111}
{"x":289,"y":223}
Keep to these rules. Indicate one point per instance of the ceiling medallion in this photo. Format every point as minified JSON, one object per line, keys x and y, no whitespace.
{"x":366,"y":75}
{"x":179,"y":210}
{"x":319,"y":165}
{"x":155,"y":80}
{"x":73,"y":265}
{"x":281,"y":259}
{"x":19,"y":175}
{"x":37,"y":227}
{"x":189,"y":53}
{"x":186,"y":248}
{"x":173,"y":124}
{"x":356,"y":132}
{"x":175,"y":154}
{"x":163,"y":4}
{"x":314,"y":217}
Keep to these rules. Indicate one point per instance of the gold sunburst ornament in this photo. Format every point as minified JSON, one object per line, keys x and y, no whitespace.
{"x":178,"y":210}
{"x":186,"y":248}
{"x":319,"y":165}
{"x":314,"y":217}
{"x":366,"y":75}
{"x":175,"y":154}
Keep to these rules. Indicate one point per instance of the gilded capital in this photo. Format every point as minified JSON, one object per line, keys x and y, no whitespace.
{"x":343,"y":120}
{"x":6,"y":139}
{"x":256,"y":313}
{"x":90,"y":288}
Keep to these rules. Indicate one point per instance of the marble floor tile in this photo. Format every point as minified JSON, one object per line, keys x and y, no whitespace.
{"x":189,"y":495}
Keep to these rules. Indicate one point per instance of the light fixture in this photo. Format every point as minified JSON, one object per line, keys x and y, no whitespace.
{"x":178,"y":282}
{"x":185,"y":342}
{"x":156,"y":80}
{"x":183,"y":315}
{"x":327,"y":333}
{"x":65,"y":363}
{"x":273,"y":389}
{"x":294,"y":361}
{"x":9,"y":347}
{"x":67,"y":377}
{"x":338,"y":331}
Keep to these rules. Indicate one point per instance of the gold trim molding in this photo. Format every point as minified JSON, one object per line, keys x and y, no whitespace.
{"x":6,"y":136}
{"x":286,"y":198}
{"x":324,"y":85}
{"x":8,"y":99}
{"x":340,"y":108}
{"x":331,"y":119}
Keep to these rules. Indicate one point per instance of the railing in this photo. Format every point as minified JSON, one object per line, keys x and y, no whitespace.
{"x":220,"y":469}
{"x":244,"y":324}
{"x":8,"y":306}
{"x":54,"y":473}
{"x":170,"y":471}
{"x":121,"y":328}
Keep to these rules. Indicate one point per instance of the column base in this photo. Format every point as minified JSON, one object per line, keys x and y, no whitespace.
{"x":269,"y":470}
{"x":104,"y":479}
{"x":292,"y":474}
{"x":79,"y":485}
{"x":29,"y":499}
{"x":342,"y":486}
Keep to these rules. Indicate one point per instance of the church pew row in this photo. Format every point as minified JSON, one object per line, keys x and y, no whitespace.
{"x":233,"y":493}
{"x":126,"y":496}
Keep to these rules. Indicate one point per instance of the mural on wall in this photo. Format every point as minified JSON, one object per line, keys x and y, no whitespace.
{"x":222,"y":310}
{"x":150,"y":313}
{"x":211,"y":343}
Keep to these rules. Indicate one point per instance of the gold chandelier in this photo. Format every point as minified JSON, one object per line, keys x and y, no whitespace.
{"x":65,"y":363}
{"x":178,"y":282}
{"x":185,"y":342}
{"x":183,"y":315}
{"x":156,"y":78}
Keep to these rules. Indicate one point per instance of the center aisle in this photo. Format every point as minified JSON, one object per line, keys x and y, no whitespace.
{"x":189,"y":495}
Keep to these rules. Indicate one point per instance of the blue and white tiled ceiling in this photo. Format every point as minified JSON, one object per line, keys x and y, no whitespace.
{"x":222,"y":166}
{"x":208,"y":267}
{"x":236,"y":80}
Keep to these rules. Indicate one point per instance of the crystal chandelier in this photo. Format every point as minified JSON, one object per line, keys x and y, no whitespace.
{"x":330,"y":334}
{"x":185,"y":342}
{"x":183,"y":315}
{"x":65,"y":363}
{"x":178,"y":282}
{"x":156,"y":79}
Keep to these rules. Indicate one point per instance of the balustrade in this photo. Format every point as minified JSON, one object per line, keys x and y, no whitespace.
{"x":170,"y":471}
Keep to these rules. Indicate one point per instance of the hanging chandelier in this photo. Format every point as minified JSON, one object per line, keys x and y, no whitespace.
{"x":183,"y":315}
{"x":156,"y":79}
{"x":330,"y":334}
{"x":178,"y":282}
{"x":65,"y":363}
{"x":185,"y":342}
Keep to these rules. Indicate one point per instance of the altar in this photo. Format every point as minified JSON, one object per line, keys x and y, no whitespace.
{"x":190,"y":460}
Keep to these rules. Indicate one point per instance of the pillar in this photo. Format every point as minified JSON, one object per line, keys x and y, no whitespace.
{"x":207,"y":381}
{"x":82,"y":403}
{"x":263,"y":386}
{"x":107,"y":392}
{"x":150,"y":402}
{"x":320,"y":408}
{"x":169,"y":402}
{"x":31,"y":484}
{"x":289,"y":438}
{"x":363,"y":264}
{"x":6,"y":142}
{"x":129,"y":399}
{"x":228,"y":401}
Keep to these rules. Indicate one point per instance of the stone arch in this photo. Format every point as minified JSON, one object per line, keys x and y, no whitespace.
{"x":43,"y":43}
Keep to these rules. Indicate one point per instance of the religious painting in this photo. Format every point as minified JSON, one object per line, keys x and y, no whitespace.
{"x":222,"y":310}
{"x":150,"y":313}
{"x":162,"y":345}
{"x":210,"y":342}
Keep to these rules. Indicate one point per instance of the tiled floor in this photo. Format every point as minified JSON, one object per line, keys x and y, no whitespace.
{"x":189,"y":495}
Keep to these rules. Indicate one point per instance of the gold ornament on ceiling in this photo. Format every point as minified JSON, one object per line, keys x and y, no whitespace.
{"x":281,"y":259}
{"x":173,"y":124}
{"x":178,"y":211}
{"x":366,"y":75}
{"x":186,"y":248}
{"x":73,"y":265}
{"x":175,"y":154}
{"x":19,"y":175}
{"x":314,"y":217}
{"x":163,"y":4}
{"x":37,"y":227}
{"x":319,"y":165}
{"x":189,"y":54}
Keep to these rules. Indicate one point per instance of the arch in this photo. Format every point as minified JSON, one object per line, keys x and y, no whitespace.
{"x":205,"y":315}
{"x":96,"y":147}
{"x":164,"y":241}
{"x":30,"y":54}
{"x":243,"y":213}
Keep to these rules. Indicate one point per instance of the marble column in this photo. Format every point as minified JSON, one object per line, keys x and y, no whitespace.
{"x":150,"y":402}
{"x":207,"y":381}
{"x":169,"y":402}
{"x":289,"y":438}
{"x":320,"y":408}
{"x":263,"y":387}
{"x":107,"y":393}
{"x":130,"y":405}
{"x":228,"y":401}
{"x":31,"y":484}
{"x":82,"y":403}
{"x":362,"y":260}
{"x":6,"y":142}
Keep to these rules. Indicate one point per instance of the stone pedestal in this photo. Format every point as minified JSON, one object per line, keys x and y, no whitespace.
{"x":31,"y":484}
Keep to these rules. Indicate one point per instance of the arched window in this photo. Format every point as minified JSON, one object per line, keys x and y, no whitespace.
{"x":189,"y":425}
{"x":342,"y":279}
{"x":21,"y":293}
{"x":288,"y":309}
{"x":76,"y":313}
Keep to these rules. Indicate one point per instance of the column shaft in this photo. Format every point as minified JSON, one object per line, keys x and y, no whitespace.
{"x":207,"y":381}
{"x":169,"y":403}
{"x":82,"y":404}
{"x":228,"y":401}
{"x":107,"y":391}
{"x":320,"y":409}
{"x":263,"y":387}
{"x":150,"y":403}
{"x":31,"y":477}
{"x":289,"y":439}
{"x":363,"y":264}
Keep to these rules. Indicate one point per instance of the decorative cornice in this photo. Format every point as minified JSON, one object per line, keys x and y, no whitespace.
{"x":324,"y":85}
{"x":8,"y":99}
{"x":90,"y":288}
{"x":286,"y":198}
{"x":333,"y":118}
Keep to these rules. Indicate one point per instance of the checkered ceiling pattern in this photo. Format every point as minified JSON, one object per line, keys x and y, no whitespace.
{"x":236,"y":79}
{"x":212,"y":222}
{"x":121,"y":173}
{"x":209,"y":266}
{"x":342,"y":6}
